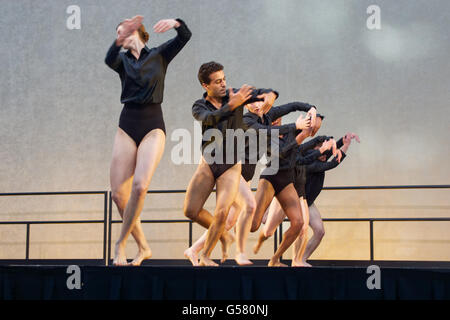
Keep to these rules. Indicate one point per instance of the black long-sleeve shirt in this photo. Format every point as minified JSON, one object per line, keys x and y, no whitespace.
{"x":287,"y":142}
{"x":315,"y":174}
{"x":143,"y":79}
{"x":222,"y":119}
{"x":304,"y":153}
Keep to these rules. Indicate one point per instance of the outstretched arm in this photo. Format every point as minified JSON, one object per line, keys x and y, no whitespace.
{"x":201,"y":112}
{"x":171,"y":48}
{"x":279,"y":111}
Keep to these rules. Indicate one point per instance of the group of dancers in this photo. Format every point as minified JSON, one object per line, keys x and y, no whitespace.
{"x":288,"y":190}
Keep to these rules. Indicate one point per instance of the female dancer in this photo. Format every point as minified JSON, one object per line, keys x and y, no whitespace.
{"x":140,"y":138}
{"x":280,"y":184}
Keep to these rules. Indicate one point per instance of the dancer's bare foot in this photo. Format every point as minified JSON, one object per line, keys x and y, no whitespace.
{"x":205,"y":261}
{"x":276,"y":263}
{"x":142,"y":255}
{"x":120,"y":258}
{"x":241,"y":259}
{"x":227,"y":240}
{"x":296,"y":263}
{"x":192,"y":256}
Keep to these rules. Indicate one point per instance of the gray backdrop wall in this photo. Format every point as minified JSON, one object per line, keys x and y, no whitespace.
{"x":60,"y":108}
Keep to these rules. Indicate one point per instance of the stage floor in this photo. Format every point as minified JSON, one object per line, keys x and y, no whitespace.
{"x":228,"y":282}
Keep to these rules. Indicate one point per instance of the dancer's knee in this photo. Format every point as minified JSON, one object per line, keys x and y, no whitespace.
{"x":319,"y":233}
{"x":269,"y":233}
{"x":250,"y":207}
{"x":190,"y":212}
{"x":221,"y":215}
{"x":255,"y":225}
{"x":140,"y":187}
{"x":119,"y":199}
{"x":297,"y":225}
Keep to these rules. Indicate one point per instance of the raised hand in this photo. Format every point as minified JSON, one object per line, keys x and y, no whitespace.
{"x":165,"y":24}
{"x":347,"y":139}
{"x":334,"y":148}
{"x":339,"y":156}
{"x":355,"y":136}
{"x":303,"y":122}
{"x":128,"y":26}
{"x":238,"y":98}
{"x":312,"y":113}
{"x":269,"y":99}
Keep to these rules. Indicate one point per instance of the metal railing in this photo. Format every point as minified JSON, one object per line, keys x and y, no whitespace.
{"x":108,"y":219}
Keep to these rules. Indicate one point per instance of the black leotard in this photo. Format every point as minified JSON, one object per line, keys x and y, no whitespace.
{"x":143,"y":83}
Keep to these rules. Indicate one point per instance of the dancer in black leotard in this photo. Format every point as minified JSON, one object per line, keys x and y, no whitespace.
{"x":280,"y":184}
{"x":140,"y":138}
{"x":219,"y":109}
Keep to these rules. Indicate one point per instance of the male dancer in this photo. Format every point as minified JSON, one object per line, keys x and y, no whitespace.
{"x":219,"y":109}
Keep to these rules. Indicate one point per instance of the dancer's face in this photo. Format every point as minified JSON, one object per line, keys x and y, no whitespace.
{"x":323,"y":157}
{"x":217,"y":87}
{"x":128,"y":42}
{"x":255,"y":107}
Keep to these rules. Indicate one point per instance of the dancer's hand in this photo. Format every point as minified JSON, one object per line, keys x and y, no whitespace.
{"x":334,"y":148}
{"x":303,"y":123}
{"x":165,"y":24}
{"x":128,"y":26}
{"x":313,"y":113}
{"x":347,"y":139}
{"x":339,"y":156}
{"x":326,"y":145}
{"x":355,"y":136}
{"x":238,"y":98}
{"x":269,"y":99}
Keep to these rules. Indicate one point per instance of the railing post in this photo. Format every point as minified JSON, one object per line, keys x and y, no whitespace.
{"x":27,"y":245}
{"x":190,"y":234}
{"x":280,"y":237}
{"x":110,"y":228}
{"x":275,"y":242}
{"x":371,"y":239}
{"x":105,"y":225}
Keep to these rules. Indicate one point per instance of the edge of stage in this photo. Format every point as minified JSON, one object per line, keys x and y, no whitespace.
{"x":177,"y":280}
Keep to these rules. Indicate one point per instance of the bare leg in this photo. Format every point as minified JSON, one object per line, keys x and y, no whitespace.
{"x":302,"y":240}
{"x":121,"y":175}
{"x":198,"y":191}
{"x":264,"y":195}
{"x":149,"y":154}
{"x":291,"y":205}
{"x":274,"y":218}
{"x":227,"y":187}
{"x":244,"y":223}
{"x":192,"y":252}
{"x":315,"y":221}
